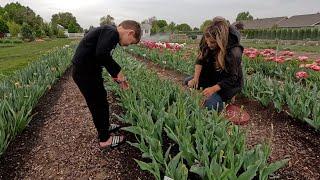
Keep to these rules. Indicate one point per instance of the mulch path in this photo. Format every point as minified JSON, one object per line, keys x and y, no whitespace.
{"x":61,"y":142}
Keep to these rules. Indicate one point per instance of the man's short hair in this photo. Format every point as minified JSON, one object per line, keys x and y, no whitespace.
{"x":133,"y":25}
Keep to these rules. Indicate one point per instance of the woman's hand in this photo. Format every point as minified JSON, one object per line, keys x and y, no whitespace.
{"x":193,"y":83}
{"x":211,"y":90}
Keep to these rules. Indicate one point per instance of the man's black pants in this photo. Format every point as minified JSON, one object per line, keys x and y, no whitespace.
{"x":90,"y":82}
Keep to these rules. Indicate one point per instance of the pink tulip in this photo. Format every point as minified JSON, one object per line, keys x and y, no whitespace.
{"x":269,"y":58}
{"x":287,"y":53}
{"x":279,"y":59}
{"x":318,"y":61}
{"x":303,"y":58}
{"x":301,"y":75}
{"x":252,"y":56}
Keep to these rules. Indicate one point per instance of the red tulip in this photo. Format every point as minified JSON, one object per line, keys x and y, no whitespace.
{"x":315,"y":67}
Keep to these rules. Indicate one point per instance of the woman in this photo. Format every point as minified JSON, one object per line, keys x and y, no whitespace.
{"x":218,"y":67}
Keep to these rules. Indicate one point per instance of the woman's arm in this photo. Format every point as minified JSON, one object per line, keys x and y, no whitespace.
{"x":194,"y":83}
{"x":197,"y":71}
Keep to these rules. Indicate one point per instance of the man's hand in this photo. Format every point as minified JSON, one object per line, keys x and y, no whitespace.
{"x":121,"y":80}
{"x":193,"y":83}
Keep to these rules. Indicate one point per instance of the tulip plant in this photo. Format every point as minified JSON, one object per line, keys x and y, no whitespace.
{"x":178,"y":137}
{"x":20,"y":93}
{"x":284,"y":85}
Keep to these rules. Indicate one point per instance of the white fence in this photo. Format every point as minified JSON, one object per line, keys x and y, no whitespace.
{"x":75,"y":35}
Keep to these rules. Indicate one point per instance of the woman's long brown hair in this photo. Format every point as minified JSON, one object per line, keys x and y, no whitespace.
{"x":217,"y":31}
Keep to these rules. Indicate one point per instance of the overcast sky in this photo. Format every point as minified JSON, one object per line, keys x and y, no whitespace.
{"x":193,"y":12}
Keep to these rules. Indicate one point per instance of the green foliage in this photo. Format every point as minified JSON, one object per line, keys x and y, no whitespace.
{"x":244,"y":16}
{"x":105,"y":20}
{"x":213,"y":148}
{"x":26,"y":32}
{"x":205,"y":24}
{"x":14,"y":29}
{"x":65,"y":19}
{"x":3,"y":26}
{"x":183,"y":27}
{"x":20,"y":93}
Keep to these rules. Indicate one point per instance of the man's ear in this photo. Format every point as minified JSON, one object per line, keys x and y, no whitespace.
{"x":131,"y":32}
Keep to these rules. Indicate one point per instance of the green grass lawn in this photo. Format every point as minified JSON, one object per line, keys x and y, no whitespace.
{"x":16,"y":56}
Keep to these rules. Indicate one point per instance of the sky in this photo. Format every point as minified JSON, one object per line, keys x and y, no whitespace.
{"x":193,"y":12}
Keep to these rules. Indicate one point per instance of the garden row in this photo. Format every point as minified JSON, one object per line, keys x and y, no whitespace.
{"x":267,"y":82}
{"x":180,"y":139}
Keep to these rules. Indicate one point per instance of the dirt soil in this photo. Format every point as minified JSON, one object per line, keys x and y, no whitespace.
{"x":61,"y":142}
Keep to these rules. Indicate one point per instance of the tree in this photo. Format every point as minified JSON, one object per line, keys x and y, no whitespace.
{"x":162,"y":24}
{"x":171,"y":27}
{"x":155,"y":28}
{"x":39,"y":32}
{"x":72,"y":28}
{"x":26,"y":32}
{"x":242,"y":16}
{"x":64,"y":19}
{"x":159,"y":26}
{"x":196,"y":29}
{"x":61,"y":34}
{"x":47,"y":30}
{"x":205,"y":24}
{"x":183,"y":27}
{"x":14,"y":28}
{"x":3,"y":26}
{"x":107,"y":20}
{"x":2,"y":11}
{"x":15,"y":12}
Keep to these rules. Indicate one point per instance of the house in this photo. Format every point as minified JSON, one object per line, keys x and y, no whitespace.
{"x":63,"y":29}
{"x":146,"y":29}
{"x":301,"y":21}
{"x":265,"y":23}
{"x":297,"y":21}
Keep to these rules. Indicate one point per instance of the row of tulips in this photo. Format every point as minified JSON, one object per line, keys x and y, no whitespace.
{"x":162,"y":45}
{"x":280,"y":84}
{"x":179,"y":138}
{"x":282,"y":57}
{"x":20,"y":93}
